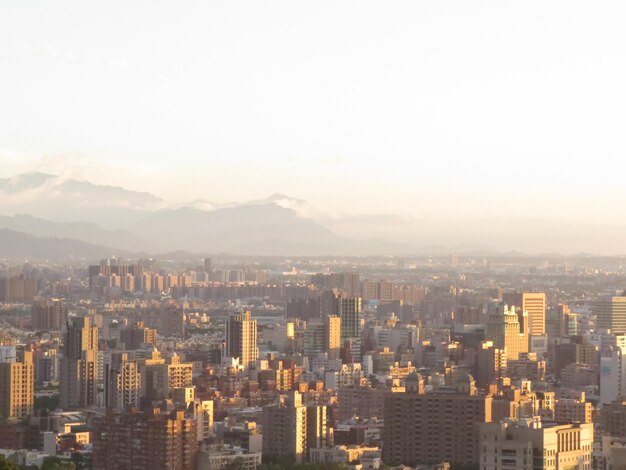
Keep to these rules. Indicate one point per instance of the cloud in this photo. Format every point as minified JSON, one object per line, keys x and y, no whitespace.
{"x":53,"y":53}
{"x":120,"y":64}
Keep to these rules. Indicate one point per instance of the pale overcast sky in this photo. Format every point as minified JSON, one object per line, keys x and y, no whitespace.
{"x":416,"y":107}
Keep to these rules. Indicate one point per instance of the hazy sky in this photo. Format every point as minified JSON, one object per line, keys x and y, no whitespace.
{"x":490,"y":107}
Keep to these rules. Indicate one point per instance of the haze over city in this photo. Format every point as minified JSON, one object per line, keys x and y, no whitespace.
{"x":324,"y":235}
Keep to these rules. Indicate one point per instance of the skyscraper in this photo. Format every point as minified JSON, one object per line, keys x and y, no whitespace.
{"x":533,"y":303}
{"x":122,"y":379}
{"x":506,"y":331}
{"x":79,"y":364}
{"x":241,"y":338}
{"x":17,"y":386}
{"x":291,"y":429}
{"x":610,"y":310}
{"x":323,"y":336}
{"x":349,"y":310}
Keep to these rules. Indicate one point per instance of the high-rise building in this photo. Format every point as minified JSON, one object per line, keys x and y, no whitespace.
{"x":436,"y":426}
{"x":381,"y":290}
{"x":133,"y":337}
{"x":162,"y":376}
{"x":291,"y":429}
{"x":79,"y":364}
{"x":241,"y":338}
{"x":491,"y":363}
{"x":610,"y":310}
{"x":19,"y":288}
{"x":349,"y":310}
{"x":323,"y":336}
{"x":122,"y":379}
{"x":133,"y":441}
{"x":506,"y":331}
{"x":49,"y":314}
{"x":17,"y":386}
{"x":532,"y":303}
{"x":528,"y":443}
{"x":332,"y":336}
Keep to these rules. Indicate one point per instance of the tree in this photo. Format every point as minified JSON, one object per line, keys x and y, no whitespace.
{"x":236,"y":464}
{"x":55,"y":463}
{"x":6,"y":465}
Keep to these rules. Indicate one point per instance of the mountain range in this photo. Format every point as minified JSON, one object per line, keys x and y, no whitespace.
{"x":65,"y":218}
{"x":107,"y":219}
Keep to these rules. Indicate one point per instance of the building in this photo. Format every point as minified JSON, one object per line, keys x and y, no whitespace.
{"x":561,"y":322}
{"x":525,"y":444}
{"x":613,"y":418}
{"x":219,"y":458}
{"x":573,"y":410}
{"x":79,"y":365}
{"x":323,"y":336}
{"x":138,"y":335}
{"x":612,"y":375}
{"x":506,"y":331}
{"x":429,"y":428}
{"x":241,"y":338}
{"x":341,"y":454}
{"x":491,"y":363}
{"x":362,"y":401}
{"x":349,"y":310}
{"x":610,"y":311}
{"x":291,"y":429}
{"x":122,"y":379}
{"x":48,"y":314}
{"x":17,"y":387}
{"x":533,"y":304}
{"x":17,"y":289}
{"x":162,"y":377}
{"x":138,"y":441}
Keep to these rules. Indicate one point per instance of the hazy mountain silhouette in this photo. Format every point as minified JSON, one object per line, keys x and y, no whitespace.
{"x":115,"y":217}
{"x":20,"y":246}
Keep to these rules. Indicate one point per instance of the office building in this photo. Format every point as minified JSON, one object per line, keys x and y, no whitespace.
{"x":17,"y":386}
{"x":533,"y":304}
{"x":429,"y":428}
{"x":241,"y":338}
{"x":323,"y":336}
{"x":79,"y":364}
{"x":610,"y":311}
{"x":491,"y":363}
{"x":506,"y":331}
{"x":526,"y":444}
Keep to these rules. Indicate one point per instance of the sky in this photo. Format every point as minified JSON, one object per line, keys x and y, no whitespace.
{"x":412,"y":107}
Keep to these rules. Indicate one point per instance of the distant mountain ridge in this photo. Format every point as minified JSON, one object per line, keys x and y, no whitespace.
{"x":44,"y":205}
{"x":20,"y":246}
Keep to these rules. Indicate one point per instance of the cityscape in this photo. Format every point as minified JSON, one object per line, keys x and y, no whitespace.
{"x":289,"y":235}
{"x":456,"y":361}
